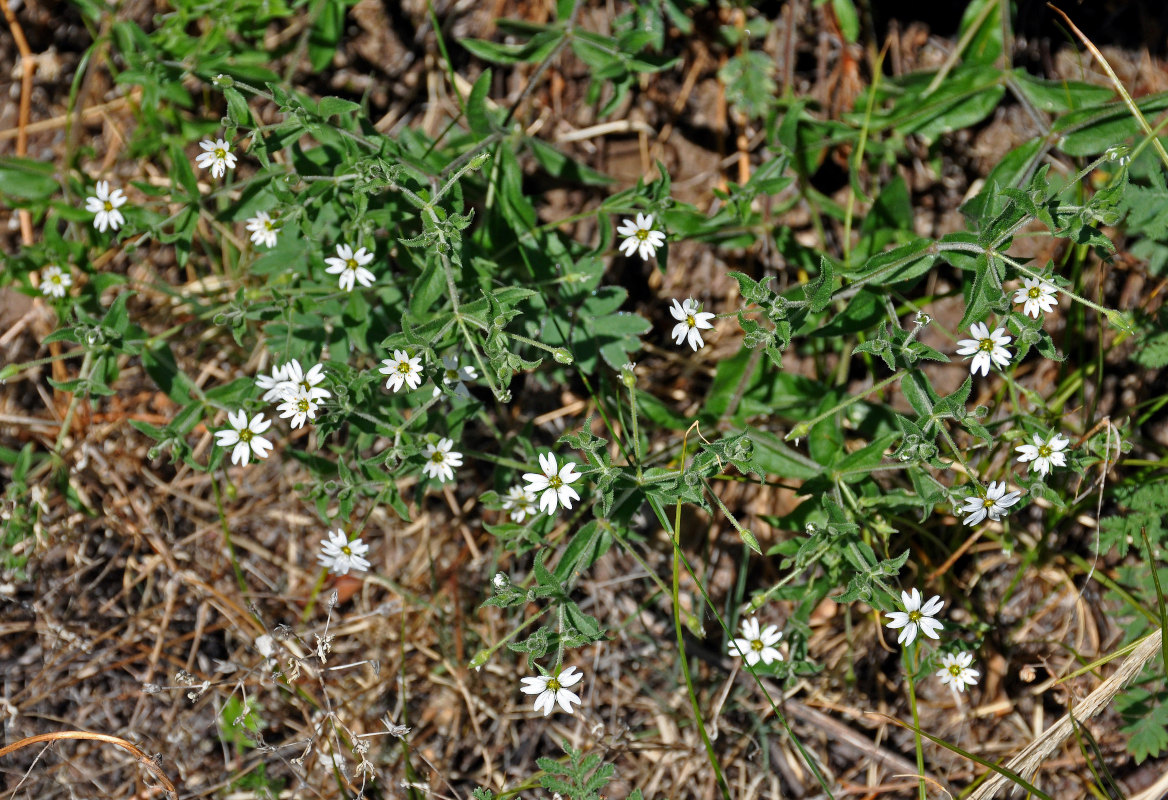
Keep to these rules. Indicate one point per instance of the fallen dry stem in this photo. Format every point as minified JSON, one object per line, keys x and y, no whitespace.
{"x":54,"y":736}
{"x":1030,"y":759}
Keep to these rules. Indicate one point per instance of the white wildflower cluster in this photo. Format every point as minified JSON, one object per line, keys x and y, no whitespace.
{"x":339,"y":554}
{"x":298,"y":395}
{"x":756,"y":643}
{"x":989,"y":348}
{"x":55,"y":282}
{"x":554,"y":689}
{"x":956,"y":670}
{"x":104,"y":205}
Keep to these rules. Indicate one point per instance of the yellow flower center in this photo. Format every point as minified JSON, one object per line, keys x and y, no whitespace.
{"x":689,"y":320}
{"x":55,"y":279}
{"x":914,"y":616}
{"x":303,"y":405}
{"x":403,"y":367}
{"x":642,"y":234}
{"x":220,"y":154}
{"x":554,"y":685}
{"x":555,"y":482}
{"x":986,"y":345}
{"x":955,"y":670}
{"x":437,"y":458}
{"x":351,"y":263}
{"x":756,"y":645}
{"x":245,"y":435}
{"x":109,"y":206}
{"x":347,"y":550}
{"x":987,"y":502}
{"x":451,"y":375}
{"x":1044,"y":451}
{"x":269,"y":225}
{"x":1034,"y":292}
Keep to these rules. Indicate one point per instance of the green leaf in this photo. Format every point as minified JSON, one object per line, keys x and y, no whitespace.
{"x":1148,"y":728}
{"x":336,"y":106}
{"x":818,"y":291}
{"x":564,"y":167}
{"x":477,"y":115}
{"x":26,"y":179}
{"x":535,"y":49}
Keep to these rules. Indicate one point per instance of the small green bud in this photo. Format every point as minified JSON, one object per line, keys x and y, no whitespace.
{"x":480,"y":159}
{"x":628,"y":376}
{"x":479,"y":659}
{"x":9,"y":371}
{"x":223,"y":81}
{"x":562,"y":356}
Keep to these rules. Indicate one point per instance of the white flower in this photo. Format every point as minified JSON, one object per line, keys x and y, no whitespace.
{"x":755,"y":646}
{"x":300,"y":406}
{"x":1038,"y":295}
{"x":454,"y":376}
{"x":105,"y":206}
{"x":274,"y":385}
{"x":54,"y":282}
{"x":340,"y":555}
{"x":1044,"y":454}
{"x":553,"y":484}
{"x":350,"y":266}
{"x":402,"y":369}
{"x":955,"y":671}
{"x":915,"y":616}
{"x":296,"y":379}
{"x":640,"y":237}
{"x":520,"y":502}
{"x":985,"y":347}
{"x":993,"y":505}
{"x":552,"y":690}
{"x":690,"y":322}
{"x":245,"y":436}
{"x":441,"y":460}
{"x":217,"y":155}
{"x":263,"y":229}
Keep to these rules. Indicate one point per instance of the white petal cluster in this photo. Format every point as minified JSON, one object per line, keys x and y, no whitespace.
{"x":298,"y":405}
{"x":455,"y":377}
{"x":1044,"y":454}
{"x":520,"y":502}
{"x":264,"y":229}
{"x":350,"y":266}
{"x":217,"y":155}
{"x":55,"y":282}
{"x":552,"y":485}
{"x":757,"y":645}
{"x":403,"y":370}
{"x":690,"y":323}
{"x":553,"y":689}
{"x":995,"y":504}
{"x":916,"y":617}
{"x":104,"y":206}
{"x":985,"y":347}
{"x":441,"y":460}
{"x":640,"y":237}
{"x":244,"y":436}
{"x":1037,"y":296}
{"x":339,"y":555}
{"x":955,"y":671}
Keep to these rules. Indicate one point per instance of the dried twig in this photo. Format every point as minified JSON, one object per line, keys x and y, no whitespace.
{"x":1029,"y":760}
{"x":144,"y":759}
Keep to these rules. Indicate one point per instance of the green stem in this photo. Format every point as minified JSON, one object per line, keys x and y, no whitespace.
{"x":803,"y":428}
{"x":239,"y":579}
{"x":910,"y":670}
{"x":677,"y":627}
